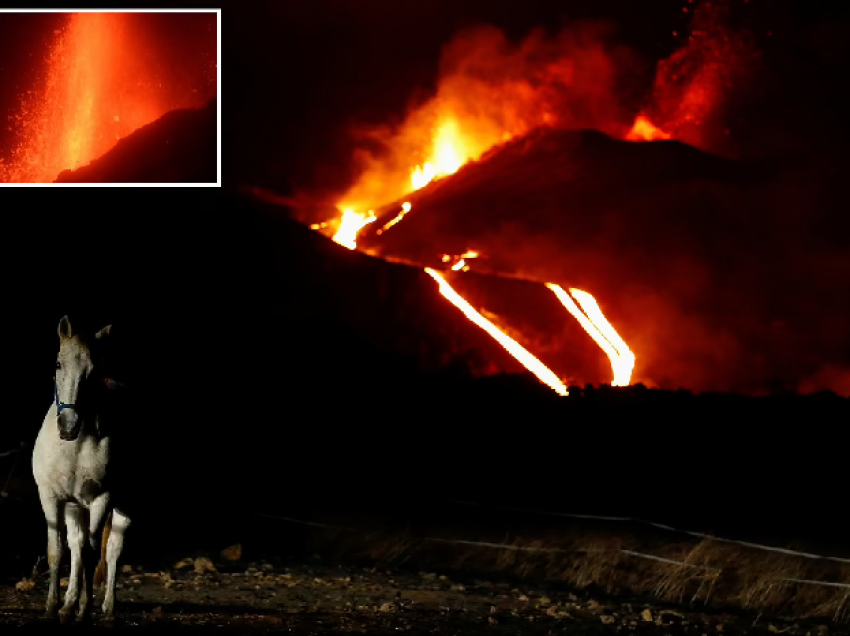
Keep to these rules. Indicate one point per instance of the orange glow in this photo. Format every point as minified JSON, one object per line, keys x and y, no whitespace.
{"x":598,"y":327}
{"x":446,"y":157}
{"x":644,"y":130}
{"x":99,"y":87}
{"x":511,"y":346}
{"x":405,"y":208}
{"x":458,"y":265}
{"x":350,"y":224}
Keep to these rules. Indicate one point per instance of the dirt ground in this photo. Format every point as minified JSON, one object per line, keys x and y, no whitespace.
{"x":263,"y":597}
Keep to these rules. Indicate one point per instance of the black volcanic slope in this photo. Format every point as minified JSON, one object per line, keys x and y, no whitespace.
{"x":179,"y":147}
{"x":271,"y":368}
{"x":720,"y":275}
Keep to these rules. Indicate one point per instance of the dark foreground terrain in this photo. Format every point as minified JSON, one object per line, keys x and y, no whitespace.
{"x":311,"y":597}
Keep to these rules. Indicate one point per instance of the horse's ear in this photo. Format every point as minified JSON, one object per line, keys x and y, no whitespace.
{"x":65,"y":330}
{"x":103,"y":334}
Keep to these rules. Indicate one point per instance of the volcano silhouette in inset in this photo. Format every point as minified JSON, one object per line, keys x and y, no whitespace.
{"x":179,"y":147}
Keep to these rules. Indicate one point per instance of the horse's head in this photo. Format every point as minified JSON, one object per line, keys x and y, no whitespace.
{"x":78,"y":370}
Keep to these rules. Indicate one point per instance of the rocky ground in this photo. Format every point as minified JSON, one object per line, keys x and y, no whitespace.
{"x":318,"y":598}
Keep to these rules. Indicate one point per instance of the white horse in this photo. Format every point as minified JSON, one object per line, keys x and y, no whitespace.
{"x":71,"y":465}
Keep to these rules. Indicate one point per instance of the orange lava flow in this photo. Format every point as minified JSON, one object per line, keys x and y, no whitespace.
{"x":598,"y":328}
{"x":350,"y":224}
{"x":446,"y":156}
{"x":511,"y":346}
{"x":645,"y":130}
{"x":405,"y":208}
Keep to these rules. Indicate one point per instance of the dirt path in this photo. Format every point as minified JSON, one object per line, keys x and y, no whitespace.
{"x":320,"y":599}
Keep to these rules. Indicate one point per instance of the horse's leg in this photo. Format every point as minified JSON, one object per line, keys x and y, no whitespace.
{"x":120,"y":523}
{"x":97,"y":516}
{"x":76,"y":538}
{"x":100,"y":572}
{"x":53,"y":514}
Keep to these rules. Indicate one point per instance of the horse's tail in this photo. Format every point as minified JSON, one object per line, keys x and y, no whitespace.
{"x":100,"y":571}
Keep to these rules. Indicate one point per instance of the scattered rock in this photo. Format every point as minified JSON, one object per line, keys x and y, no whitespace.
{"x":63,"y":582}
{"x":544,"y":600}
{"x":203,"y":564}
{"x":233,"y":553}
{"x":25,"y":585}
{"x":646,"y":615}
{"x":185,"y":563}
{"x":126,"y":569}
{"x":607,"y":618}
{"x":457,"y":588}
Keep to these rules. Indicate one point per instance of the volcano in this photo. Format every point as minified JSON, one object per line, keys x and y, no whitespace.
{"x":179,"y":147}
{"x":370,"y":318}
{"x":680,"y":248}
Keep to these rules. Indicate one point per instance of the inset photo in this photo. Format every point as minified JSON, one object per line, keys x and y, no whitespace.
{"x":110,"y":97}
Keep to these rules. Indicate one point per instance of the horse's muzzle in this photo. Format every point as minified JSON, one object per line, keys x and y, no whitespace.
{"x":69,"y":423}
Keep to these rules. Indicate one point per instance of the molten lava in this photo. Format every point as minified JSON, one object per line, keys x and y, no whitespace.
{"x":644,"y":130}
{"x":405,"y":208}
{"x":598,"y":328}
{"x":543,"y":373}
{"x":350,"y":224}
{"x":446,"y":157}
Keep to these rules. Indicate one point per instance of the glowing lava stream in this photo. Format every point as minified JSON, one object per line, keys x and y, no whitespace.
{"x":645,"y":130}
{"x":595,"y":324}
{"x":511,"y":346}
{"x":447,"y":157}
{"x":352,"y":222}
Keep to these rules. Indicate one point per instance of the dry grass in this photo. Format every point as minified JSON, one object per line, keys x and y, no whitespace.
{"x":707,"y":571}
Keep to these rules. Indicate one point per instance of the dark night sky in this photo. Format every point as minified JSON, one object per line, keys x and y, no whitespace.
{"x":300,"y":72}
{"x":307,"y":69}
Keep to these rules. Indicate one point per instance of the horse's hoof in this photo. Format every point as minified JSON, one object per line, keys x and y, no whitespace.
{"x":83,"y":618}
{"x":50,"y":616}
{"x":65,"y":615}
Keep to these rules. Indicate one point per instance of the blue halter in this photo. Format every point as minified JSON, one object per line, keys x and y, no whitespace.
{"x":60,"y":405}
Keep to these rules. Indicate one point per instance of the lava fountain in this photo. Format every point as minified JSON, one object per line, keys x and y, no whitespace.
{"x":102,"y":83}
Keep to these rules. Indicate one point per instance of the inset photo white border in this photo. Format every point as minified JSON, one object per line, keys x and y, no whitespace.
{"x":217,"y":184}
